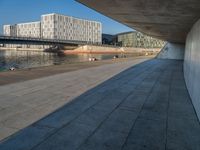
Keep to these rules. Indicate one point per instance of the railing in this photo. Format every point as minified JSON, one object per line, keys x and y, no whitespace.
{"x":39,"y":39}
{"x":4,"y":37}
{"x":46,"y":40}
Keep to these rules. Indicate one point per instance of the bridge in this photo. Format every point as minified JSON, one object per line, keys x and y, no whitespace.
{"x":39,"y":41}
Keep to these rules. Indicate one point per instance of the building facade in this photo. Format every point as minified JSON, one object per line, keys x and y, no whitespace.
{"x":10,"y":30}
{"x":56,"y":26}
{"x":108,"y":39}
{"x":139,"y":40}
{"x":31,"y":29}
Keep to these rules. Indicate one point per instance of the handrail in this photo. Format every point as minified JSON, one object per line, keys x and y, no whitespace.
{"x":39,"y":39}
{"x":55,"y":40}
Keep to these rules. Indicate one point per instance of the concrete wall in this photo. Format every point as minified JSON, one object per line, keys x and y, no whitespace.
{"x":192,"y":65}
{"x":172,"y":51}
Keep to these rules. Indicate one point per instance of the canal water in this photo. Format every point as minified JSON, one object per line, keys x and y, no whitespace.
{"x":30,"y":59}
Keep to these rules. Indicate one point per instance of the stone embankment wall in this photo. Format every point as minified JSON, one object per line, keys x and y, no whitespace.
{"x":109,"y":49}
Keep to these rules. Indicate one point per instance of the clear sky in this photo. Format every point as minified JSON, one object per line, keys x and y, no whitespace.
{"x":18,"y":11}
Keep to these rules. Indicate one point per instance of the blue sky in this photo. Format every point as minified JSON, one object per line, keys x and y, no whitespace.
{"x":16,"y":11}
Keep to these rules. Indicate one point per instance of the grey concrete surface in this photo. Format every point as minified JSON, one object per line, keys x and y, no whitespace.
{"x":192,"y":65}
{"x":23,"y":103}
{"x":146,"y":107}
{"x":172,"y":51}
{"x":170,"y":20}
{"x":21,"y":75}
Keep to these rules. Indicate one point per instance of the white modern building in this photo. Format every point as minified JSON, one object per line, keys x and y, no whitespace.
{"x":10,"y":30}
{"x":56,"y":26}
{"x":31,"y":29}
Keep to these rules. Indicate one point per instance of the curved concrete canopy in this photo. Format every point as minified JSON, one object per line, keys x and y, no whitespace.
{"x":169,"y":20}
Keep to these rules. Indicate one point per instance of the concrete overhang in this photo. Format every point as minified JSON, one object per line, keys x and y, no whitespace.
{"x":169,"y":20}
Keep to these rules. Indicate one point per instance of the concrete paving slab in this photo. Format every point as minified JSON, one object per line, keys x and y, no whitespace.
{"x":93,"y":117}
{"x":69,"y":137}
{"x":181,"y":136}
{"x":24,"y":141}
{"x":104,"y":140}
{"x":120,"y":120}
{"x":6,"y":131}
{"x":134,"y":102}
{"x":147,"y":135}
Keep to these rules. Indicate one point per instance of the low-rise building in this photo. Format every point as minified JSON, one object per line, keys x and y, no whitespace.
{"x":139,"y":40}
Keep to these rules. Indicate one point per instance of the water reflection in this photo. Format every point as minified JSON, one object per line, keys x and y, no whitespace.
{"x":30,"y":59}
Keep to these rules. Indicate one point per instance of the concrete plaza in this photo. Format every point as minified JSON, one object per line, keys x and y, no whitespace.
{"x":28,"y":95}
{"x":145,"y":107}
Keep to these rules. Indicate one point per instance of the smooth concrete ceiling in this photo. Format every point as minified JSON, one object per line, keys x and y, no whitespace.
{"x":169,"y":20}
